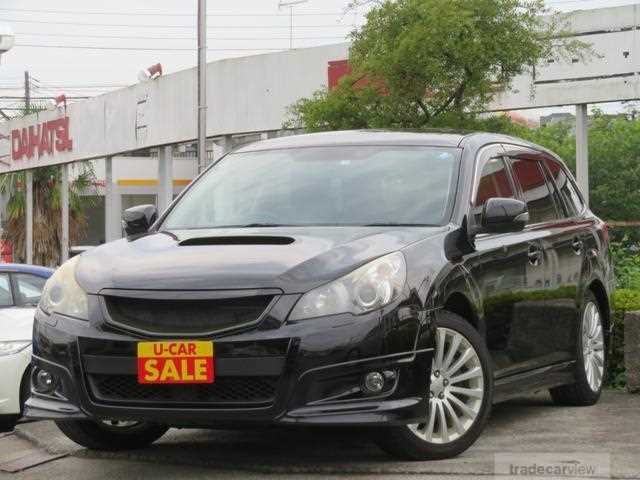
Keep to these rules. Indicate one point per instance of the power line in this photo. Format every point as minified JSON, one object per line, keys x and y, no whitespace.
{"x":144,"y":49}
{"x":135,"y":37}
{"x":47,"y":85}
{"x":174,"y":14}
{"x":18,"y":97}
{"x":146,"y":25}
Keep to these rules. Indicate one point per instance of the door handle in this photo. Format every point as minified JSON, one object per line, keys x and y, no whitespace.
{"x":535,"y":255}
{"x":577,"y":246}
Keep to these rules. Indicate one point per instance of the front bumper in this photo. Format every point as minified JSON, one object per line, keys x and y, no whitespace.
{"x":12,"y":370}
{"x":308,"y":372}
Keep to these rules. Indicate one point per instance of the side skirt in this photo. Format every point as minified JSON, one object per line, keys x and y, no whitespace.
{"x":538,"y":379}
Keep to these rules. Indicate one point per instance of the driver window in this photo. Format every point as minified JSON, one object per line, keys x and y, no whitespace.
{"x":494,"y":182}
{"x":6,"y":297}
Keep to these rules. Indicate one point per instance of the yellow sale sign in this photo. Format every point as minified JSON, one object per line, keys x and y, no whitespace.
{"x":176,"y":362}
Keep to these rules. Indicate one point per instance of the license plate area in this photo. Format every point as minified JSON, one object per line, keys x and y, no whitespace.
{"x":176,"y":362}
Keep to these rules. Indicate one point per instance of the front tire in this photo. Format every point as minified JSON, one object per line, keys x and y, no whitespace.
{"x":460,"y":397}
{"x":111,"y":435}
{"x":591,"y":359}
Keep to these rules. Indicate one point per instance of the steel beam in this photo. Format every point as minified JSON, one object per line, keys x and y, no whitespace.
{"x":109,"y":201}
{"x":202,"y":85}
{"x":165,"y":178}
{"x":28,"y":203}
{"x":582,"y":149}
{"x":64,"y":209}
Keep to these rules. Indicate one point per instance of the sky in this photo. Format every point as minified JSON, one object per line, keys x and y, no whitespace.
{"x":118,"y":29}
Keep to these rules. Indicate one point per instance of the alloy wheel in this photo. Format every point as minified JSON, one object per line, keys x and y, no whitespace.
{"x":456,"y":391}
{"x":593,"y":346}
{"x":113,"y":424}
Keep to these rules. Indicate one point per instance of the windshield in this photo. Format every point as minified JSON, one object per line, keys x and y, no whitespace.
{"x":353,"y":185}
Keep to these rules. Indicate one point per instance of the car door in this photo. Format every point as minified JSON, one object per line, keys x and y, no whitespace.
{"x":508,"y":269}
{"x":570,"y":246}
{"x":543,"y":319}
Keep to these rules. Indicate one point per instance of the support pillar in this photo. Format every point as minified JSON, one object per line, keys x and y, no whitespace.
{"x":64,"y":208}
{"x":226,"y":144}
{"x":582,"y":150}
{"x":29,"y":216}
{"x":165,"y":178}
{"x":110,"y":230}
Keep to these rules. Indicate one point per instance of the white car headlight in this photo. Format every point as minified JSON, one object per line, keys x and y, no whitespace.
{"x":14,"y":346}
{"x":63,"y":295}
{"x":368,"y":288}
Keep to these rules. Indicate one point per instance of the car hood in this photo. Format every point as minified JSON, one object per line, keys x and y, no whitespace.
{"x":17,"y":323}
{"x":294,"y":260}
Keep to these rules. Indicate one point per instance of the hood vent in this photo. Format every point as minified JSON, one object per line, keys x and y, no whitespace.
{"x":237,"y":240}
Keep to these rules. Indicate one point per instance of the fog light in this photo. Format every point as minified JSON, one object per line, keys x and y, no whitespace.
{"x":44,"y":382}
{"x":373,"y":382}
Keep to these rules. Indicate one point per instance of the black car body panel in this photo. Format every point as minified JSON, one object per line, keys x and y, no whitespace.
{"x":522,"y":292}
{"x":314,"y":256}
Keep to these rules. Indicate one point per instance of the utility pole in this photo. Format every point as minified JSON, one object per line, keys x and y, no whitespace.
{"x":27,"y":91}
{"x":290,"y":4}
{"x":202,"y":85}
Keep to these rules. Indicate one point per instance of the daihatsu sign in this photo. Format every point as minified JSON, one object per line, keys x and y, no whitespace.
{"x":42,"y":139}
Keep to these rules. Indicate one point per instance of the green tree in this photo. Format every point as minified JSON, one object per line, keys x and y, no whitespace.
{"x":614,"y":161}
{"x":46,"y":210}
{"x":432,"y":63}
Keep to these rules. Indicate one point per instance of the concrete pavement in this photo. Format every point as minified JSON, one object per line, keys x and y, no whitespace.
{"x":521,"y":427}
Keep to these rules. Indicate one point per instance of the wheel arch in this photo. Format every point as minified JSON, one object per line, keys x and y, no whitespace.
{"x":599,"y":291}
{"x":459,"y":303}
{"x":25,"y":386}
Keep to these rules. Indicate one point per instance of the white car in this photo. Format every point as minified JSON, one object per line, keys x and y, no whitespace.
{"x":20,"y":290}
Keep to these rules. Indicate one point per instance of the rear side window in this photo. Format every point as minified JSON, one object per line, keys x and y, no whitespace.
{"x":28,"y":288}
{"x":567,"y":189}
{"x":494,"y":182}
{"x":535,"y":189}
{"x":6,"y":297}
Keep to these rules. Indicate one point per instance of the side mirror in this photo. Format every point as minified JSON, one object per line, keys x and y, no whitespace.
{"x":503,"y":215}
{"x":136,"y":220}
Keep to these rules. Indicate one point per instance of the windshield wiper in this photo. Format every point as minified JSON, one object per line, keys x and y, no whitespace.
{"x":261,"y":225}
{"x":398,"y":225}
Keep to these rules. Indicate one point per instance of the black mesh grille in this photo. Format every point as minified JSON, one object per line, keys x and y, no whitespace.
{"x":185,"y":316}
{"x":225,"y":390}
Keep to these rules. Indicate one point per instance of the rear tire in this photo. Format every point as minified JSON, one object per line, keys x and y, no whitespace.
{"x":100,"y":436}
{"x":591,"y":359}
{"x":429,"y":441}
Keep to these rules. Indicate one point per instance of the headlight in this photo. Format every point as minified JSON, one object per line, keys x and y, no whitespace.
{"x":15,"y":346}
{"x":368,"y":288}
{"x":63,"y":295}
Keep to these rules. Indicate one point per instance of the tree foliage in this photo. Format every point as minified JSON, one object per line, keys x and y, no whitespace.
{"x":430,"y":63}
{"x":614,"y":161}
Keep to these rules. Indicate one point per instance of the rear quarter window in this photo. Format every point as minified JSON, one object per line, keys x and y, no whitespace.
{"x":568,"y":190}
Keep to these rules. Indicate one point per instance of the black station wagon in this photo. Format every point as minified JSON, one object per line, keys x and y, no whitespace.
{"x":402,"y":281}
